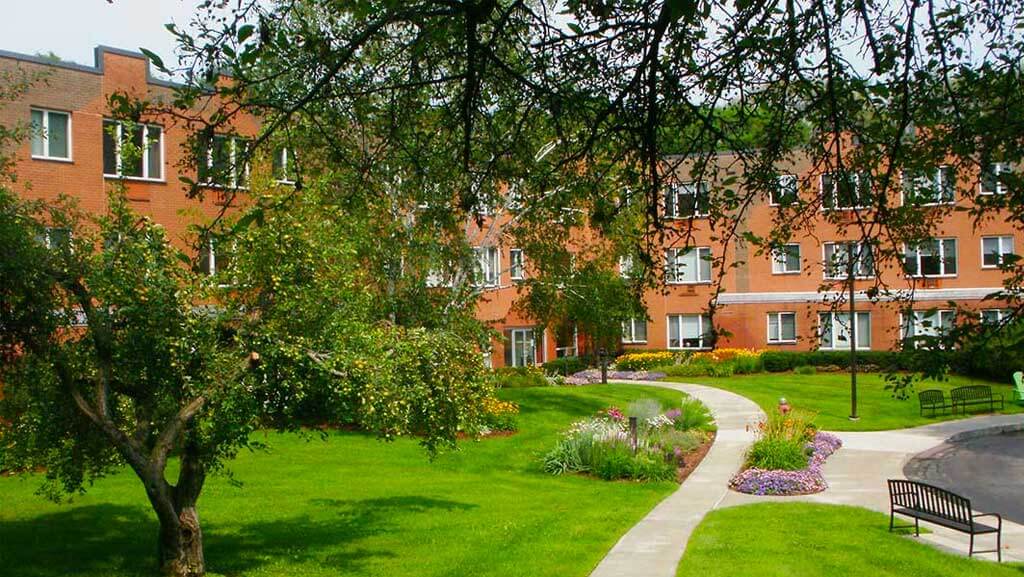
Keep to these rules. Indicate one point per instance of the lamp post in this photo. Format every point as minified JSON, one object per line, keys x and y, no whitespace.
{"x":853,"y":332}
{"x":602,"y":357}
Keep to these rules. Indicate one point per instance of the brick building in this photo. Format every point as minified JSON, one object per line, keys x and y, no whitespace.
{"x":766,"y":301}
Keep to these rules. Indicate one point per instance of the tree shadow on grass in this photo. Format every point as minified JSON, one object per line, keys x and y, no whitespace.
{"x":118,"y":540}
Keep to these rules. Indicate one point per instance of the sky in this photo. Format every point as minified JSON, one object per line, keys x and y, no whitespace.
{"x":72,"y":28}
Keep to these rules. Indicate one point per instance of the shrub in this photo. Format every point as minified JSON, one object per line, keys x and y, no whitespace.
{"x":617,"y":461}
{"x":805,"y":370}
{"x":644,"y":409}
{"x":673,"y":443}
{"x":566,"y":366}
{"x":726,"y":369}
{"x":777,"y":453}
{"x":746,"y":364}
{"x":692,"y":415}
{"x":519,"y":377}
{"x":778,"y":361}
{"x":643,"y":361}
{"x":692,"y":369}
{"x":500,"y":415}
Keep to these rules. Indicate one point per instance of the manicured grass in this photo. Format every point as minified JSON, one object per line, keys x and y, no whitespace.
{"x":356,"y":506}
{"x":828,"y":394}
{"x":787,"y":539}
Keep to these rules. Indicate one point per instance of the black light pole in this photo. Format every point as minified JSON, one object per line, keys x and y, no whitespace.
{"x":853,"y":335}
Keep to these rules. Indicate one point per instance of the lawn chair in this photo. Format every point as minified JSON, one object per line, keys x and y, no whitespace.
{"x":1018,"y":388}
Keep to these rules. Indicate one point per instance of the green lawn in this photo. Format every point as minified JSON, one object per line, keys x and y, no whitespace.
{"x":357,"y":506}
{"x":787,"y":539}
{"x":828,"y":394}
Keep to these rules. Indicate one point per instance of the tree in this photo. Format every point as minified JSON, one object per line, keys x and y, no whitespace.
{"x":115,"y":352}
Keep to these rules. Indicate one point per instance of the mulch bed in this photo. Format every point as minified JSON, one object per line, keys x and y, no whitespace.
{"x":694,"y":457}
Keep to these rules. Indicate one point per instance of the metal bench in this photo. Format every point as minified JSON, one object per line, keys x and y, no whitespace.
{"x":974,"y":395}
{"x":924,"y":502}
{"x":933,"y":400}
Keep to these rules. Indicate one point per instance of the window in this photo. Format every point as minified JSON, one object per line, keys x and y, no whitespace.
{"x":147,"y":140}
{"x":931,"y":323}
{"x":782,"y":327}
{"x":488,"y":266}
{"x":51,"y":134}
{"x":692,"y":265}
{"x":634,"y":331}
{"x":520,"y":348}
{"x":282,"y":165}
{"x":933,"y":187}
{"x":994,"y":250}
{"x":848,"y":193}
{"x":55,"y":238}
{"x":516,"y":264}
{"x":837,"y":259}
{"x":786,"y":260}
{"x":992,"y":178}
{"x":995,"y":316}
{"x":785,"y":191}
{"x":213,"y":260}
{"x":626,"y":265}
{"x":224,"y":162}
{"x":689,"y":331}
{"x":687,"y":200}
{"x":834,"y":330}
{"x":933,"y":257}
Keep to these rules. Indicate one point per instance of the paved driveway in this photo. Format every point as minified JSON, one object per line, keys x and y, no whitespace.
{"x":987,"y":470}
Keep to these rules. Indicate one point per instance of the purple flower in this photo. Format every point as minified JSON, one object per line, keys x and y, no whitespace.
{"x":591,"y":376}
{"x":810,"y":480}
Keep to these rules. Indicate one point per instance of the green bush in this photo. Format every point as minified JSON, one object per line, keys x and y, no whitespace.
{"x":805,"y":370}
{"x":671,"y":439}
{"x":619,"y":462}
{"x":566,"y":366}
{"x":694,"y":369}
{"x":779,"y":361}
{"x":519,"y":377}
{"x":694,"y":415}
{"x":726,"y":369}
{"x":777,"y":453}
{"x":746,"y":364}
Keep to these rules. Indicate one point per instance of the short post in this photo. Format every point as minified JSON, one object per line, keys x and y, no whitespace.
{"x":632,"y":434}
{"x":602,"y":357}
{"x":784,"y":405}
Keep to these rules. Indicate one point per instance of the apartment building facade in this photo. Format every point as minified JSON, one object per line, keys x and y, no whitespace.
{"x":763,"y":301}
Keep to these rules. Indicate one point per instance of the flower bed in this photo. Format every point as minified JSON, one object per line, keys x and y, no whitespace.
{"x":592,"y":376}
{"x":756,"y":481}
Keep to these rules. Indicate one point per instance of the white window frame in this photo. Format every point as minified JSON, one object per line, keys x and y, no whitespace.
{"x":998,"y":169}
{"x":233,"y":140}
{"x":119,"y":135}
{"x":1001,"y":315}
{"x":47,"y":237}
{"x":703,"y":326}
{"x":1002,"y":240}
{"x":45,"y":134}
{"x":629,"y":331}
{"x":781,"y":181}
{"x":516,"y":264}
{"x":920,"y":317}
{"x":856,"y":176}
{"x":488,"y":263}
{"x":672,"y":265}
{"x":780,"y":260}
{"x":942,"y":259}
{"x":529,"y":335}
{"x":777,"y":339}
{"x":286,"y":156}
{"x":936,"y":178}
{"x":859,"y":265}
{"x":836,"y":327}
{"x":677,"y":191}
{"x":625,"y":265}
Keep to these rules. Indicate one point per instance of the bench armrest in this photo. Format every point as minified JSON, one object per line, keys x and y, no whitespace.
{"x":998,"y":517}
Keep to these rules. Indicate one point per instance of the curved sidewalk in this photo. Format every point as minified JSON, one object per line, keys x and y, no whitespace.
{"x":654,"y":546}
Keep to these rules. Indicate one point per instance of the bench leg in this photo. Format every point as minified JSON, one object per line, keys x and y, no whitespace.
{"x":917,"y":527}
{"x":970,"y":551}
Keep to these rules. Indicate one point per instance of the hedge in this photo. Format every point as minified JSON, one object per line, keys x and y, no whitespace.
{"x":519,"y":377}
{"x":778,"y":361}
{"x":566,"y":366}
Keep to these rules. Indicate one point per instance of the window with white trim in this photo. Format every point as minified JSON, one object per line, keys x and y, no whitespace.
{"x":488,"y":266}
{"x":782,"y":327}
{"x":933,"y":257}
{"x":930,"y":323}
{"x":51,"y":134}
{"x":516,"y":264}
{"x":785,"y":191}
{"x":282,"y":165}
{"x":786,"y":260}
{"x":223,"y":161}
{"x":685,"y":200}
{"x":54,"y":237}
{"x":147,"y":140}
{"x":937,"y":186}
{"x":992,"y":178}
{"x":634,"y":331}
{"x":213,"y":259}
{"x":994,"y":250}
{"x":625,"y":265}
{"x":834,"y":330}
{"x":995,"y":316}
{"x":689,"y":331}
{"x":849,"y":193}
{"x":688,"y":265}
{"x":837,"y":260}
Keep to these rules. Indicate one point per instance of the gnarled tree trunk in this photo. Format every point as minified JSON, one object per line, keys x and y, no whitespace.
{"x":181,"y":546}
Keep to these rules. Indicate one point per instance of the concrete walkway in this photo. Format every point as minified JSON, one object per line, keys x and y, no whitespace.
{"x":856,"y":474}
{"x":654,"y":546}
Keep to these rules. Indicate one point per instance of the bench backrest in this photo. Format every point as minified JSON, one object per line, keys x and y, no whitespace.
{"x":971,"y":392}
{"x":931,"y":397}
{"x":930,"y":499}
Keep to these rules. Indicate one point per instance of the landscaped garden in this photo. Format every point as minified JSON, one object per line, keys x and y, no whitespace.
{"x":356,"y":506}
{"x":811,"y":540}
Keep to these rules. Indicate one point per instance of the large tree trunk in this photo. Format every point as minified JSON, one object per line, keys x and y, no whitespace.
{"x":181,"y":546}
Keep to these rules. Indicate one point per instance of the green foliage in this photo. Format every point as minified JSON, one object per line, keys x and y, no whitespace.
{"x":618,"y":462}
{"x":805,"y":370}
{"x":993,"y":353}
{"x":694,"y":416}
{"x":745,"y":364}
{"x":519,"y":377}
{"x":692,"y":369}
{"x":779,"y":361}
{"x":643,"y":409}
{"x":722,"y":369}
{"x":774,"y":454}
{"x":566,"y":366}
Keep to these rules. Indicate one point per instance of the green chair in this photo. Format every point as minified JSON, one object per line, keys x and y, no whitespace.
{"x":1018,"y":388}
